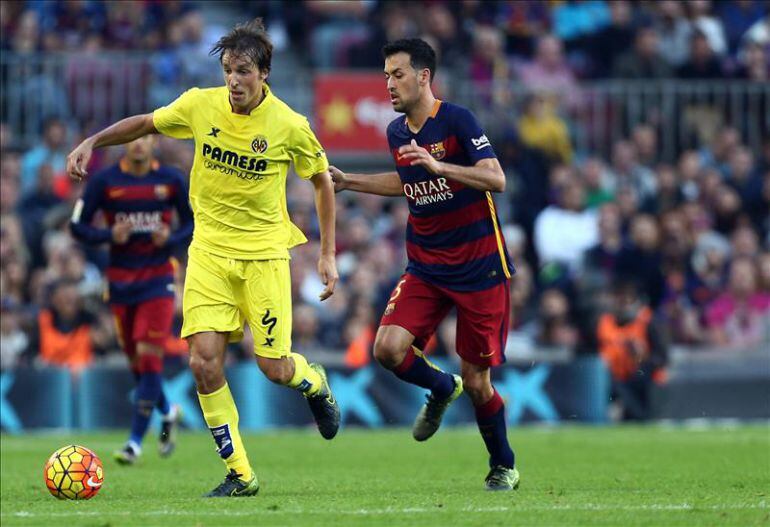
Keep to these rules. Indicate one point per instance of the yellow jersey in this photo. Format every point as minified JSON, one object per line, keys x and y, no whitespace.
{"x":238,"y":177}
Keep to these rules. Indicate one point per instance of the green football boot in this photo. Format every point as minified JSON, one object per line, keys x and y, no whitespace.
{"x":324,"y":407}
{"x":234,"y":487}
{"x":429,"y":419}
{"x":502,"y":478}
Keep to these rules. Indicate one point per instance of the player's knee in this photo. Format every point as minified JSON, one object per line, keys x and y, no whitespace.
{"x":204,"y":369}
{"x":478,"y":388}
{"x":149,"y":363}
{"x":277,"y":371}
{"x":388,"y":353}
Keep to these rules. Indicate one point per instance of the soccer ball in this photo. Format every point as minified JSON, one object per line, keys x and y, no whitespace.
{"x":74,"y":473}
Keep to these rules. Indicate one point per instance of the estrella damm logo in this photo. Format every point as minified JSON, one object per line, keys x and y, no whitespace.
{"x":437,"y":150}
{"x":259,"y":144}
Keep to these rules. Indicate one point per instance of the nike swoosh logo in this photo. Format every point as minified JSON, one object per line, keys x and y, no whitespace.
{"x":485,"y":355}
{"x":93,"y":483}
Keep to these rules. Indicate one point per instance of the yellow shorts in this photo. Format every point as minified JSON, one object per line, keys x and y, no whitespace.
{"x":221,"y":293}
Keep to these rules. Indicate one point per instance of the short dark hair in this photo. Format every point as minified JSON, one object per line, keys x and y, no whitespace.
{"x":250,"y":39}
{"x":421,"y":55}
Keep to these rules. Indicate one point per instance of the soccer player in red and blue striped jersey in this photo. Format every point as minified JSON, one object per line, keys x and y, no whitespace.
{"x":138,"y":198}
{"x":446,"y":168}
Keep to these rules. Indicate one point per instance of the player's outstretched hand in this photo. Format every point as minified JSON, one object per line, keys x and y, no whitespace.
{"x":417,"y":155}
{"x":78,"y":160}
{"x":339,"y":178}
{"x":327,"y":269}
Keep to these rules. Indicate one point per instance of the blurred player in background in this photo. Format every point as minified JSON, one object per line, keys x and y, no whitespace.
{"x":238,"y":268}
{"x":457,"y":257}
{"x":138,"y":198}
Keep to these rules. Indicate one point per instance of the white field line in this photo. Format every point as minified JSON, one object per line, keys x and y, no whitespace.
{"x":394,"y":510}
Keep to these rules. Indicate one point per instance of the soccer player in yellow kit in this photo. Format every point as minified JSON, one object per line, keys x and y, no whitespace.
{"x":238,"y":268}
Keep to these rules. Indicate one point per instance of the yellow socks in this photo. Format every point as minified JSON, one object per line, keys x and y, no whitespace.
{"x":305,"y":378}
{"x":222,"y":418}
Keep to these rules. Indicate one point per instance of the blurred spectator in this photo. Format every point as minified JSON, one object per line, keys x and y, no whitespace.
{"x":523,"y":22}
{"x":764,"y":272}
{"x":703,"y":62}
{"x":744,"y":243}
{"x":440,"y":25}
{"x":754,"y":63}
{"x":9,"y":185}
{"x":540,"y":128}
{"x":600,"y":261}
{"x":741,"y":315}
{"x":645,"y":139}
{"x":709,"y":265}
{"x":337,"y":24}
{"x":392,"y":22}
{"x":52,"y":151}
{"x":705,"y":23}
{"x":564,"y":231}
{"x":528,"y":170}
{"x":65,"y":333}
{"x":674,"y":30}
{"x":633,"y":346}
{"x":612,"y":41}
{"x":523,"y":308}
{"x":668,"y":194}
{"x":628,"y":171}
{"x":34,"y":207}
{"x":727,"y":210}
{"x":304,"y":328}
{"x":554,"y":327}
{"x":548,"y":73}
{"x":738,"y":16}
{"x":489,"y":68}
{"x":718,"y":151}
{"x":13,"y":339}
{"x":641,"y":259}
{"x":597,"y":180}
{"x":645,"y":61}
{"x":741,"y":169}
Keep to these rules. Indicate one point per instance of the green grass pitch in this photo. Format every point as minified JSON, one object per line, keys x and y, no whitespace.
{"x":570,"y":476}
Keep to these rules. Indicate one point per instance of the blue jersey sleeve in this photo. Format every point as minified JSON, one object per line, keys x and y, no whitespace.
{"x":84,"y":211}
{"x":471,"y":137}
{"x":182,"y":204}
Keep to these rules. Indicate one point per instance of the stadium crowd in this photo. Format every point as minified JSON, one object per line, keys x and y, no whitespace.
{"x":692,"y":232}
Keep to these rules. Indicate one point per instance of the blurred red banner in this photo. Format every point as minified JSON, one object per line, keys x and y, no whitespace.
{"x":352,"y":112}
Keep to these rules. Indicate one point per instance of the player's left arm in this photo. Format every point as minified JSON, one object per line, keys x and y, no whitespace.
{"x":324,"y":204}
{"x":310,"y":163}
{"x":484,"y":174}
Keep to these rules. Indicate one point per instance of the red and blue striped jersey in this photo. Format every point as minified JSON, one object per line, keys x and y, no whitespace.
{"x":453,"y":236}
{"x":138,"y":269}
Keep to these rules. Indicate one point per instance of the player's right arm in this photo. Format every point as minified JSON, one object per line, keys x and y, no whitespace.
{"x":172,"y":120}
{"x":122,"y":132}
{"x":385,"y":184}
